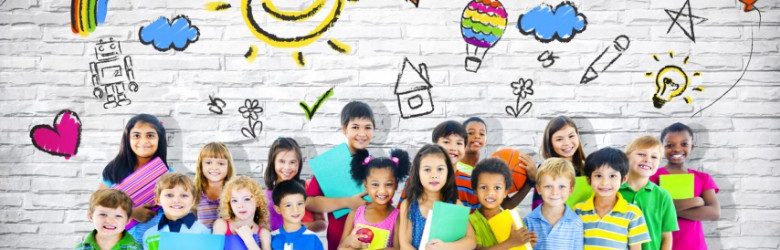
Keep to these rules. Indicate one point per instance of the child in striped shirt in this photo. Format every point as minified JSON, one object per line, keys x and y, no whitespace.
{"x":214,"y":168}
{"x":609,"y":221}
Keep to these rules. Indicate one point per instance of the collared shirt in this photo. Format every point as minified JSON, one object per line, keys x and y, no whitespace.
{"x":621,"y":227}
{"x":302,"y":239}
{"x":187,"y":224}
{"x":657,"y":209}
{"x":565,"y":234}
{"x":127,"y":242}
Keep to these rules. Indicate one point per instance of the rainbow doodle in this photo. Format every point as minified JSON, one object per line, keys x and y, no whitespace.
{"x":482,"y":25}
{"x":85,"y":15}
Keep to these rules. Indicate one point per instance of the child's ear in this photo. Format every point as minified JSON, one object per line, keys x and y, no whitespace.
{"x":625,"y":178}
{"x":89,"y":216}
{"x":277,"y":209}
{"x":588,"y":178}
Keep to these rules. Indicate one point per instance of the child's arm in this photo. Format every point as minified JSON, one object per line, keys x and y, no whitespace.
{"x":467,"y":242}
{"x":405,"y":227}
{"x":318,"y":224}
{"x":322,"y":204}
{"x":395,"y":239}
{"x":516,"y":238}
{"x":635,"y":247}
{"x":685,"y":204}
{"x":710,"y":211}
{"x":666,"y":241}
{"x":348,"y":237}
{"x":220,"y":227}
{"x":245,"y":233}
{"x":530,"y":170}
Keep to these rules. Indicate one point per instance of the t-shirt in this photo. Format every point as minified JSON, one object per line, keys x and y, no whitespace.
{"x":658,"y":210}
{"x":187,"y":224}
{"x":465,"y":194}
{"x":621,"y":227}
{"x":303,"y":239}
{"x":335,"y":226}
{"x":125,"y":243}
{"x":208,"y":210}
{"x":691,"y":233}
{"x":565,"y":234}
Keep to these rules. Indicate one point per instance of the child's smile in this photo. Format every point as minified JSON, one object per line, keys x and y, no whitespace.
{"x":491,"y":190}
{"x":286,"y":165}
{"x":677,"y":146}
{"x":433,"y":172}
{"x":109,"y":221}
{"x":455,"y":146}
{"x":215,"y":169}
{"x":243,"y":204}
{"x":605,"y":181}
{"x":176,"y":202}
{"x":359,"y":132}
{"x":565,"y":141}
{"x":554,"y":191}
{"x":644,"y":161}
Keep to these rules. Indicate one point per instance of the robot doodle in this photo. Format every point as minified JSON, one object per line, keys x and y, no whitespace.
{"x":112,"y":74}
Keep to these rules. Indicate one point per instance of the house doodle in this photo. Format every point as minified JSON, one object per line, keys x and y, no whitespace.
{"x":414,"y":95}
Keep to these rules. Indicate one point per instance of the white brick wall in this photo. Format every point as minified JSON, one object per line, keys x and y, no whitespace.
{"x":44,"y":68}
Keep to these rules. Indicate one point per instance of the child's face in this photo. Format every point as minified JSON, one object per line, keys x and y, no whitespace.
{"x":605,"y":181}
{"x":491,"y":190}
{"x":455,"y":146}
{"x":477,"y":136}
{"x":644,"y":162}
{"x":565,"y":142}
{"x":215,"y":169}
{"x":380,"y":185}
{"x":554,"y":191}
{"x":143,"y":140}
{"x":176,"y":202}
{"x":433,"y":172}
{"x":359,"y":132}
{"x":286,"y":165}
{"x":243,"y":204}
{"x":109,"y":221}
{"x":677,"y":145}
{"x":291,"y":208}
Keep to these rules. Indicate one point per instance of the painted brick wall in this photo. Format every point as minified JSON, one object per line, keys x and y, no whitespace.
{"x":44,"y":68}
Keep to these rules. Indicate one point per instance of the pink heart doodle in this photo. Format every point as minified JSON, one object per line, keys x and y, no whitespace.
{"x":62,"y":139}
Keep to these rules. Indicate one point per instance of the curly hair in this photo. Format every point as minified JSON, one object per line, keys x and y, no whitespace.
{"x":261,"y":211}
{"x":360,"y":169}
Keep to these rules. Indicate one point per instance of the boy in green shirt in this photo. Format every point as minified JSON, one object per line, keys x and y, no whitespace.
{"x":644,"y":157}
{"x":109,"y":211}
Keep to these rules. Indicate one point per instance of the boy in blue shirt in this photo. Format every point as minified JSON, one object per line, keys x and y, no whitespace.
{"x":555,"y":224}
{"x":290,"y":201}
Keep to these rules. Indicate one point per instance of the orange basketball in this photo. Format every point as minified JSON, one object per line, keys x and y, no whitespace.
{"x":511,"y":157}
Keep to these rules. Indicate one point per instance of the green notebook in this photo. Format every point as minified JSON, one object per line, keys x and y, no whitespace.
{"x":446,"y":222}
{"x":582,"y":191}
{"x":680,"y":186}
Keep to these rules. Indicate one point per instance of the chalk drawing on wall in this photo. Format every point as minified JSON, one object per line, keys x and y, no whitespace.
{"x":748,"y":8}
{"x":281,"y":28}
{"x":216,"y":104}
{"x":309,"y":111}
{"x":413,"y":91}
{"x":548,"y":24}
{"x":547,"y":58}
{"x":60,"y":139}
{"x":522,"y":88}
{"x":86,"y":15}
{"x":675,"y":16}
{"x":671,"y":81}
{"x":112,"y":74}
{"x":251,"y":111}
{"x":415,"y":2}
{"x":164,"y":34}
{"x":482,"y":24}
{"x":607,"y":57}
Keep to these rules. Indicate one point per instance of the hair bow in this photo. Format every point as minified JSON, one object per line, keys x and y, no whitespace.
{"x":367,"y":160}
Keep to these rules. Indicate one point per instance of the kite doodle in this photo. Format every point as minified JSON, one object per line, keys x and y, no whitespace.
{"x":86,"y":15}
{"x":675,"y":16}
{"x":547,"y":24}
{"x":413,"y":91}
{"x":110,"y":73}
{"x":164,"y":34}
{"x":598,"y":65}
{"x":60,"y":139}
{"x":482,"y":24}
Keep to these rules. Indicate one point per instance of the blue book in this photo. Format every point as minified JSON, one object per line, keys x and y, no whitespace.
{"x":332,"y":171}
{"x":170,"y":241}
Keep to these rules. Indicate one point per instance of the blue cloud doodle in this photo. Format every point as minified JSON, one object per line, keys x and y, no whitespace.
{"x":547,"y":24}
{"x":165,"y":35}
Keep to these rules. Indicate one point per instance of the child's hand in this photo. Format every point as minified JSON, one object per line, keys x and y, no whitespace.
{"x":435,"y":244}
{"x":245,"y":232}
{"x":529,"y":165}
{"x":521,"y":236}
{"x":143,"y":213}
{"x":353,"y":242}
{"x":357,"y":200}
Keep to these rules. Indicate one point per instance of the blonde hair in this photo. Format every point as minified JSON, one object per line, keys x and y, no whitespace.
{"x":261,"y":213}
{"x":556,"y":168}
{"x":111,"y":198}
{"x":645,"y":142}
{"x":171,"y":180}
{"x":212,"y":150}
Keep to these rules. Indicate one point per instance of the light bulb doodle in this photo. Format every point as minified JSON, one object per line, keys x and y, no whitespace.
{"x":482,"y":24}
{"x":281,"y":28}
{"x":671,"y":81}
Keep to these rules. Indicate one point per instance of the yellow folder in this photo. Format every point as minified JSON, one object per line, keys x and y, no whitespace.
{"x":503,"y":223}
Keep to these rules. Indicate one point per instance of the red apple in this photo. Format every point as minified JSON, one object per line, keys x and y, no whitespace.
{"x":365,"y":235}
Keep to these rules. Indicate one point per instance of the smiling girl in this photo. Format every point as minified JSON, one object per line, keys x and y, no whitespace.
{"x":214,"y":168}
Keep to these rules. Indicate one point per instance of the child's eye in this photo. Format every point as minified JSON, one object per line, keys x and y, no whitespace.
{"x":169,"y":195}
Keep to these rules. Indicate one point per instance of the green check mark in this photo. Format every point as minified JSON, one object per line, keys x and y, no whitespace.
{"x":310,"y":110}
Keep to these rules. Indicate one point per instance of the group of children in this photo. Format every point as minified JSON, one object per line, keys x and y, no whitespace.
{"x":627,"y":210}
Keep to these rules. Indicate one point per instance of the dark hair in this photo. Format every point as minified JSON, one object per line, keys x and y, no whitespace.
{"x":547,"y":149}
{"x":492,"y":166}
{"x":676,"y":127}
{"x":111,"y":198}
{"x":414,"y":188}
{"x":448,"y":128}
{"x":124,"y":163}
{"x":473,"y":119}
{"x":279,"y":145}
{"x":360,"y":169}
{"x":614,"y":158}
{"x":355,"y":110}
{"x":285,"y":188}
